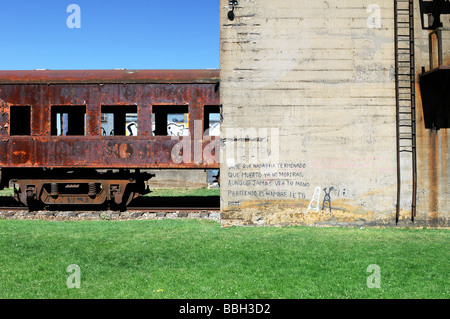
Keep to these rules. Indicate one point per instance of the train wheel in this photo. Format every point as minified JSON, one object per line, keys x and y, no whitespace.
{"x":126,"y":199}
{"x":34,"y":204}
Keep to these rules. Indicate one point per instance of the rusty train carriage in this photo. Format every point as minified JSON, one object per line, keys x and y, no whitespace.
{"x":85,"y":166}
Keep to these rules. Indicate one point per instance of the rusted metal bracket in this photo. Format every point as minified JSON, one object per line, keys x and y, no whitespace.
{"x":433,"y":10}
{"x":434,"y":86}
{"x":438,"y":33}
{"x":233,"y":4}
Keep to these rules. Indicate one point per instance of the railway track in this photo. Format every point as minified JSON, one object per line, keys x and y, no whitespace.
{"x":142,"y":205}
{"x":132,"y":213}
{"x":140,"y":209}
{"x":182,"y":209}
{"x":130,"y":209}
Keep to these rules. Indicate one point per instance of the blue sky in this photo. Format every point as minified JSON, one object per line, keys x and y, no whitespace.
{"x":130,"y":34}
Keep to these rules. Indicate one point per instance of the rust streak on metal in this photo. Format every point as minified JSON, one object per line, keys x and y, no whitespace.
{"x":444,"y":166}
{"x":433,"y":177}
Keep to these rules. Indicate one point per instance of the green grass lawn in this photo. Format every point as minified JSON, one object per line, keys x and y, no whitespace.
{"x":199,"y":259}
{"x":6,"y":192}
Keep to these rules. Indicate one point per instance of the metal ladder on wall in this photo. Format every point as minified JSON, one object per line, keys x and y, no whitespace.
{"x":405,"y":96}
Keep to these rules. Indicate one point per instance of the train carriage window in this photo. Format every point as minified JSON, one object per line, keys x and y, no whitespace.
{"x":170,"y":120}
{"x":119,"y":120}
{"x":20,"y":120}
{"x":68,"y":120}
{"x":211,"y":120}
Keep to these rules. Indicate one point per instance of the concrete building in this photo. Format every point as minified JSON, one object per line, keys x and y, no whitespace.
{"x":314,"y":114}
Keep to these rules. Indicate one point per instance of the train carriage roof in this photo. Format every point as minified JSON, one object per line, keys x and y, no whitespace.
{"x":108,"y":76}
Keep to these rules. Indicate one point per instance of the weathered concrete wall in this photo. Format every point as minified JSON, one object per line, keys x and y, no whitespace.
{"x":433,"y":190}
{"x":177,"y":178}
{"x":309,"y":127}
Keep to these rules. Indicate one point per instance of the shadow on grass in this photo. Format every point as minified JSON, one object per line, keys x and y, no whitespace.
{"x":9,"y":201}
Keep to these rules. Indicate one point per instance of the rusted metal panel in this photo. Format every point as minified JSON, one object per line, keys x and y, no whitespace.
{"x":90,"y":90}
{"x":21,"y":151}
{"x":4,"y":118}
{"x":118,"y":152}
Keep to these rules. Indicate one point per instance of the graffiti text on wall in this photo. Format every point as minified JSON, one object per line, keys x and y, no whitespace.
{"x":275,"y":176}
